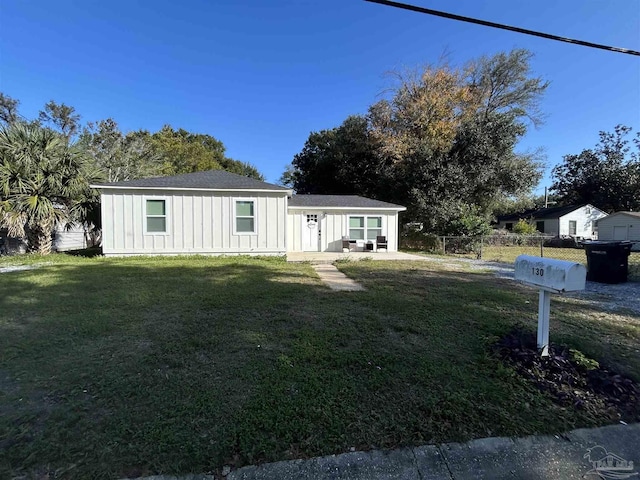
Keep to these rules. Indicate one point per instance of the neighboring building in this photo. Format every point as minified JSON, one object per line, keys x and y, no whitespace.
{"x":217,"y":212}
{"x":621,"y":226}
{"x":12,"y":245}
{"x":577,"y":221}
{"x":63,"y":240}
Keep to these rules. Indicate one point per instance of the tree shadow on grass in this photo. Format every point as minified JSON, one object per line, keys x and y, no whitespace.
{"x":142,"y":366}
{"x":151,"y":353}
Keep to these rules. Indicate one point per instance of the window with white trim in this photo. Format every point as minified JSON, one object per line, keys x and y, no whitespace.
{"x":374,"y":227}
{"x":245,"y":216}
{"x":572,"y":227}
{"x":365,"y":227}
{"x":156,"y":216}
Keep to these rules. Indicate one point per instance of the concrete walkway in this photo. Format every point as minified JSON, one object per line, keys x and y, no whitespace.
{"x":335,"y":279}
{"x":599,"y":453}
{"x":330,"y":257}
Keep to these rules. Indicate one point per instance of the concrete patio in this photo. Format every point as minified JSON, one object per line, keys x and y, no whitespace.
{"x":330,"y":257}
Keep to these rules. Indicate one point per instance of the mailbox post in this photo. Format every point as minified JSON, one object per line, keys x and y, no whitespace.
{"x":549,"y":276}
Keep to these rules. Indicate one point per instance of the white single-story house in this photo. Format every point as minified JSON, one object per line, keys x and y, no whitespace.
{"x":621,"y":226}
{"x":217,"y":212}
{"x":577,"y":221}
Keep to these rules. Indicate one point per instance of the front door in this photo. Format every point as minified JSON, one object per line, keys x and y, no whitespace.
{"x":310,"y":233}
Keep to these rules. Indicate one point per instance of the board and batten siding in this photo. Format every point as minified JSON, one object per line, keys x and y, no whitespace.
{"x":198,"y":222}
{"x":334,"y":224}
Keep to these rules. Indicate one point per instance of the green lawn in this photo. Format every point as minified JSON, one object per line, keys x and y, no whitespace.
{"x":124,"y":367}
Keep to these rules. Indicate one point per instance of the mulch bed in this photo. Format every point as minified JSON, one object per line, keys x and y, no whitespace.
{"x":571,"y":379}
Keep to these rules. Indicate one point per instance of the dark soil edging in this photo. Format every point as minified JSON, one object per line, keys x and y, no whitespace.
{"x":571,"y":379}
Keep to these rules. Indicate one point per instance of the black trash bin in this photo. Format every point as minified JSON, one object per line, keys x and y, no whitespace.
{"x":607,"y":262}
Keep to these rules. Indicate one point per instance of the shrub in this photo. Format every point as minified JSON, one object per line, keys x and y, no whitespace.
{"x":561,"y":242}
{"x":416,"y":240}
{"x":524,"y":228}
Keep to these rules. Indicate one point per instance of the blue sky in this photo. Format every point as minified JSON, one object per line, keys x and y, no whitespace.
{"x":260,"y":76}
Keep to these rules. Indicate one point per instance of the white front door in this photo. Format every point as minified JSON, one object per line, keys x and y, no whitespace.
{"x":620,"y":233}
{"x":310,"y":232}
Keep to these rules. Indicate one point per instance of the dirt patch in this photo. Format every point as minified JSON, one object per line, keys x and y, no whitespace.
{"x":571,"y":379}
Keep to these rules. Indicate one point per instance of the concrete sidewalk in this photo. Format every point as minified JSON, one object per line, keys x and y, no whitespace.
{"x":599,"y":453}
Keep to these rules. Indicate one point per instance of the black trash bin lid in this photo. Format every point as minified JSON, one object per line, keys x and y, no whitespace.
{"x":607,"y":242}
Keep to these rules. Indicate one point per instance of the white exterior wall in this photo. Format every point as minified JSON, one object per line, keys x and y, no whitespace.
{"x":198,"y":222}
{"x":585,"y":222}
{"x":560,"y":226}
{"x":628,"y":224}
{"x":333,"y":225}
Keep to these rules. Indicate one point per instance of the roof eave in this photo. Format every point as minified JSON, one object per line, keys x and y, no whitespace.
{"x":302,"y":207}
{"x":175,"y":189}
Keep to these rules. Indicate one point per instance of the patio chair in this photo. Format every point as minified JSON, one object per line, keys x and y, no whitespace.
{"x":346,"y":245}
{"x":381,"y":242}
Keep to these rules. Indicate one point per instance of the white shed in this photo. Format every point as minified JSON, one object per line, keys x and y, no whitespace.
{"x":318,"y":223}
{"x":621,"y":226}
{"x":212,"y":212}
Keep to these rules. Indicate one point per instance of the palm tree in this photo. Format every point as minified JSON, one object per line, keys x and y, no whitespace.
{"x":43,"y":180}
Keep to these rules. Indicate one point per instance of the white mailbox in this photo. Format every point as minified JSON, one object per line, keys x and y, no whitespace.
{"x":549,"y":275}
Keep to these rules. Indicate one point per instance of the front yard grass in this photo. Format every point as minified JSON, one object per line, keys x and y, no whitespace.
{"x":125,"y":367}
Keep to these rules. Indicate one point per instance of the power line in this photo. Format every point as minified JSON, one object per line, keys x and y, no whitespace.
{"x":477,"y":21}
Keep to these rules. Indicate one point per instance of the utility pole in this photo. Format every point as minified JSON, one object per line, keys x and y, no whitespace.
{"x":546,"y":199}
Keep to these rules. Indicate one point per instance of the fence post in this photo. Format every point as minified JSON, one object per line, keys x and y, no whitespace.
{"x":444,"y":245}
{"x":481,"y":246}
{"x":542,"y":246}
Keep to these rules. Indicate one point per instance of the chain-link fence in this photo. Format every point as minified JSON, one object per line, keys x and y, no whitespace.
{"x":505,"y":248}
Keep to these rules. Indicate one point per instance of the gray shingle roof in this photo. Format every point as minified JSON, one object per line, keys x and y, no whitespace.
{"x":211,"y":179}
{"x":339,"y":201}
{"x":542,"y":213}
{"x":632,"y":214}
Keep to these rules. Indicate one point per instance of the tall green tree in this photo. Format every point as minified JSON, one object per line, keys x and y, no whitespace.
{"x":8,"y":109}
{"x":121,"y":156}
{"x":342,"y":160}
{"x":181,"y":151}
{"x":44,"y":181}
{"x":443,"y":143}
{"x":61,"y":118}
{"x":607,"y":176}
